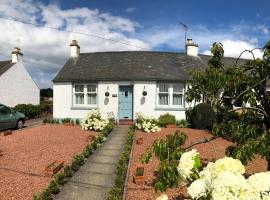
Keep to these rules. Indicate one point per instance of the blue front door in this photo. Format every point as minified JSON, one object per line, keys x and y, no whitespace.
{"x":125,"y":102}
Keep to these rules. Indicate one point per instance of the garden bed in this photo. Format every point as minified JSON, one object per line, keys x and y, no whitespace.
{"x":212,"y":150}
{"x":27,"y":153}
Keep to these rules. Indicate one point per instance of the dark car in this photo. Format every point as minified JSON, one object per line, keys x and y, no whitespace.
{"x":10,"y":119}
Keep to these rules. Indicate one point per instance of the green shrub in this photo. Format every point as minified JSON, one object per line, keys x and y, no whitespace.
{"x":182,"y":123}
{"x":33,"y":111}
{"x":53,"y":187}
{"x":68,"y":171}
{"x":166,"y":119}
{"x":202,"y":117}
{"x":77,"y":121}
{"x":66,"y":120}
{"x":60,"y":178}
{"x":46,"y":195}
{"x":77,"y":162}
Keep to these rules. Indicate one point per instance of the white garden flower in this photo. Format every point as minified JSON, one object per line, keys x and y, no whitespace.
{"x":260,"y":183}
{"x":186,"y":164}
{"x":197,"y":189}
{"x":228,"y":186}
{"x":163,"y":197}
{"x":212,"y":170}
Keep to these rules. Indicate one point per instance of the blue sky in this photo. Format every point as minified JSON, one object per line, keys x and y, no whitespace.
{"x":151,"y":25}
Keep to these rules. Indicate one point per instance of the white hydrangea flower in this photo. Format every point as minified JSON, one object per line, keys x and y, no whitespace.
{"x":212,"y":170}
{"x":186,"y":164}
{"x":163,"y":197}
{"x":260,"y":182}
{"x":228,"y":186}
{"x":197,"y":189}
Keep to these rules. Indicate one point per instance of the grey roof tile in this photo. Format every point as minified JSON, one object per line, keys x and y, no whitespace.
{"x":132,"y":66}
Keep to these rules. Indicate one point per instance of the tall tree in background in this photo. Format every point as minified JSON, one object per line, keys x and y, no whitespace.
{"x":224,"y":87}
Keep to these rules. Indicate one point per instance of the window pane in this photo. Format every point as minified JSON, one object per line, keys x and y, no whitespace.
{"x":78,"y":88}
{"x":92,"y":99}
{"x":91,"y":88}
{"x":79,"y":98}
{"x":163,"y":99}
{"x":163,"y":87}
{"x":177,"y":99}
{"x":177,"y":88}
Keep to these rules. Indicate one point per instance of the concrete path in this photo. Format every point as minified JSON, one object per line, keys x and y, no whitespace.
{"x":95,"y":178}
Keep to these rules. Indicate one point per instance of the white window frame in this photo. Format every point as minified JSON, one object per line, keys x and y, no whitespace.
{"x":170,"y":96}
{"x":85,"y":93}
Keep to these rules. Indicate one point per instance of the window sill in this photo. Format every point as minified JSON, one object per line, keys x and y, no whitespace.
{"x":83,"y":107}
{"x":170,"y":109}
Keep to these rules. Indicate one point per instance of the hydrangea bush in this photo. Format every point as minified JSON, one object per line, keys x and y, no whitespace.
{"x":147,"y":124}
{"x":223,"y":180}
{"x":93,"y":121}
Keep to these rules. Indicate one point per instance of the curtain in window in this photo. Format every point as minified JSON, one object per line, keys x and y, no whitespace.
{"x":163,"y":99}
{"x":177,"y":99}
{"x":163,"y":94}
{"x":79,"y":94}
{"x":177,"y":94}
{"x":92,"y":99}
{"x":79,"y":98}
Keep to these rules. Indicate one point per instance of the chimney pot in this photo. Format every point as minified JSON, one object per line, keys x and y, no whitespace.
{"x":16,"y":55}
{"x":192,"y":48}
{"x":74,"y":49}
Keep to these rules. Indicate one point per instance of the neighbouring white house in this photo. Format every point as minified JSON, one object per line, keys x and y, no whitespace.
{"x":16,"y":84}
{"x":124,"y":83}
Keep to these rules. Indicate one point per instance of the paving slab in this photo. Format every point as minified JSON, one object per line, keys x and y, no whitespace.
{"x":97,"y":175}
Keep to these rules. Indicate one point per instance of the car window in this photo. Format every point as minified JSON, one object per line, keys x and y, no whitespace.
{"x":4,"y":110}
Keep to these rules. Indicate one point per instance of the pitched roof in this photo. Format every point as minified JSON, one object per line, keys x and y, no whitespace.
{"x":4,"y":66}
{"x":132,"y":66}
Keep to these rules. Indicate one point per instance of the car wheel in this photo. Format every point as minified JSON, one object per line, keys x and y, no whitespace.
{"x":19,"y":124}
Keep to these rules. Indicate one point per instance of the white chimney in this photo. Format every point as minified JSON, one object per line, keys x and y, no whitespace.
{"x":74,"y":49}
{"x":192,"y":48}
{"x":16,"y":55}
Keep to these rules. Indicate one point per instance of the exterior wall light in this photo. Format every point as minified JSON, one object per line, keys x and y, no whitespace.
{"x":144,"y":93}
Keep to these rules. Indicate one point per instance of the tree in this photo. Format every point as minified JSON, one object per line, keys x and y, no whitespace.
{"x":244,"y":85}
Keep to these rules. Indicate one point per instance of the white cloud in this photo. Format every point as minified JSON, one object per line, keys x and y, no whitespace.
{"x":48,"y":49}
{"x":235,"y":48}
{"x":130,"y":9}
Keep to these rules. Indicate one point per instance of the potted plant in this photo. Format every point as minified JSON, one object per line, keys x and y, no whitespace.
{"x":54,"y":167}
{"x":138,"y":177}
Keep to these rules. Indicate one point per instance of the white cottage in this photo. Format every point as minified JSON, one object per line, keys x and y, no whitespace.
{"x":16,"y":85}
{"x":125,"y":83}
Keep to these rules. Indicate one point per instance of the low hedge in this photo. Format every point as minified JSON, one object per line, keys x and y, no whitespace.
{"x":117,"y":190}
{"x":34,"y":111}
{"x":78,"y":160}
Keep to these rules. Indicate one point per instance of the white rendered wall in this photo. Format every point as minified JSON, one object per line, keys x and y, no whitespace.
{"x":63,"y":97}
{"x":17,"y":87}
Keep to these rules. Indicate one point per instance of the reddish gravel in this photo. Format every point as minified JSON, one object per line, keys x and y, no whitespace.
{"x":26,"y":153}
{"x":212,"y":150}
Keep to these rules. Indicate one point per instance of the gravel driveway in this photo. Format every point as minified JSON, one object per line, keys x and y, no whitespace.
{"x":27,"y":152}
